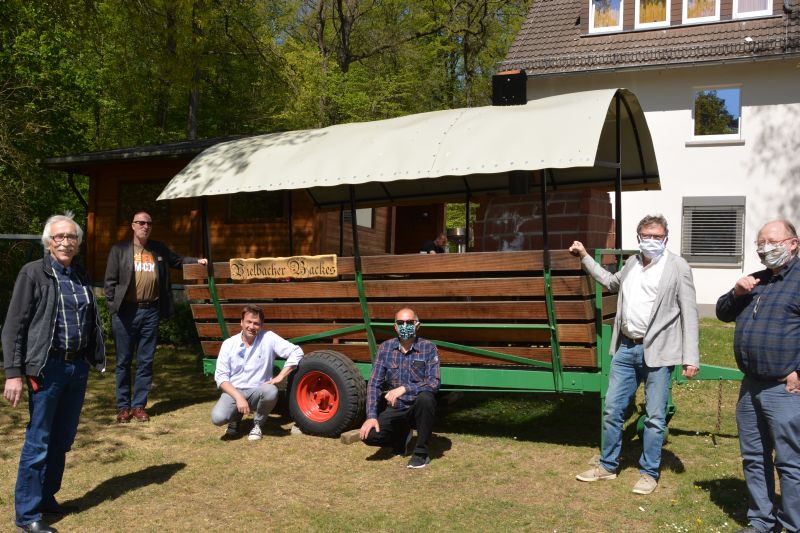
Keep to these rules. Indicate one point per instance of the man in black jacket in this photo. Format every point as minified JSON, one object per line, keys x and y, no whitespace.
{"x":51,"y":336}
{"x":137,"y":295}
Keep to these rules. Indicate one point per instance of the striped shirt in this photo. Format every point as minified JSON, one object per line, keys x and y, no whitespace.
{"x":417,"y":370}
{"x":767,"y":338}
{"x":73,"y":326}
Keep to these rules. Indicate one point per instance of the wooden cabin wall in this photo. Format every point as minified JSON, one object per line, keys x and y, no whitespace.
{"x":178,"y":223}
{"x":371,"y":241}
{"x":108,"y":224}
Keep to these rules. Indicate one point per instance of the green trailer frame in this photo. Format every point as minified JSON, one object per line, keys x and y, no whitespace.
{"x":532,"y":377}
{"x":205,"y":175}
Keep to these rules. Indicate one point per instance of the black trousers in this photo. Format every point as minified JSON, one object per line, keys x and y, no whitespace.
{"x":396,"y":423}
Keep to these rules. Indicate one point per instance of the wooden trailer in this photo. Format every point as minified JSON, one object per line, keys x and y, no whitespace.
{"x":503,"y":321}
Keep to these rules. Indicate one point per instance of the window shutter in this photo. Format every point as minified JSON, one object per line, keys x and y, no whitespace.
{"x":713,"y":230}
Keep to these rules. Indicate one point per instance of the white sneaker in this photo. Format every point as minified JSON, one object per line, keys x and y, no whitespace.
{"x":596,"y":473}
{"x":645,"y":485}
{"x":255,"y":433}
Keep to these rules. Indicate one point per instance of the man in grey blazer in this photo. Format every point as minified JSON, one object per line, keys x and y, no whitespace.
{"x":656,"y":328}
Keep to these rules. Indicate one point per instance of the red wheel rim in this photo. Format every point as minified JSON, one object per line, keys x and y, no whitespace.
{"x":317,"y":396}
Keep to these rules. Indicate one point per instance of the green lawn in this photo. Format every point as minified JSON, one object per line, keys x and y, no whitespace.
{"x":500,"y":463}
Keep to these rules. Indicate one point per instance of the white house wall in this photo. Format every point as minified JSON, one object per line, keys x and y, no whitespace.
{"x":765,"y":168}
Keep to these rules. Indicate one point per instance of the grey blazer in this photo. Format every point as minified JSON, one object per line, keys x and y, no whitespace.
{"x":672,"y":336}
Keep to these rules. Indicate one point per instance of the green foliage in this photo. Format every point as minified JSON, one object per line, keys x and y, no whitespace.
{"x":178,"y":330}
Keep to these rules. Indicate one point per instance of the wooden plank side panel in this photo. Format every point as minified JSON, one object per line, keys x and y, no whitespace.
{"x":571,"y":357}
{"x":430,"y":311}
{"x":429,"y":264}
{"x":456,"y":287}
{"x":567,"y":333}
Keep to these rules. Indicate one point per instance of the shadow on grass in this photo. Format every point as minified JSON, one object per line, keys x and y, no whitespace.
{"x":674,"y":431}
{"x":729,"y":494}
{"x":559,"y":419}
{"x":116,"y":487}
{"x":436,"y":448}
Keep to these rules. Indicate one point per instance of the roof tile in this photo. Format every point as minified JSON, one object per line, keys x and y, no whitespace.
{"x":552,"y":41}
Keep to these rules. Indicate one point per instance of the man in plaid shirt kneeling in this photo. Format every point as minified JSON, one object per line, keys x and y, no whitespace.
{"x":400,"y":393}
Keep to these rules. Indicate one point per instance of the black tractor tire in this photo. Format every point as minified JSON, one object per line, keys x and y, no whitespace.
{"x":327,"y":394}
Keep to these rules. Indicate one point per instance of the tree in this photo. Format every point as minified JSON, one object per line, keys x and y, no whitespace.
{"x":711,"y":116}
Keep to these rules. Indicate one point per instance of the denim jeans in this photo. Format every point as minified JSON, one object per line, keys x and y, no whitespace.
{"x":54,"y":413}
{"x":628,"y":370}
{"x":261,"y":399}
{"x":396,"y":423}
{"x":768,"y":418}
{"x":134,"y":329}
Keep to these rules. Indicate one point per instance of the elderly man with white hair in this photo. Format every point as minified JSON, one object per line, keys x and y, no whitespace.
{"x":51,"y":336}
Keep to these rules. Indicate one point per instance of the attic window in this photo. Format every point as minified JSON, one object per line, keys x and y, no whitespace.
{"x":651,"y":13}
{"x":696,"y":11}
{"x":605,"y":15}
{"x":751,"y":8}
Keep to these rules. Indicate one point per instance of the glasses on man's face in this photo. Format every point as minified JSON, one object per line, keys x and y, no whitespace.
{"x":58,"y":238}
{"x":761,"y":244}
{"x":405,"y":322}
{"x":143,"y":223}
{"x":656,"y":236}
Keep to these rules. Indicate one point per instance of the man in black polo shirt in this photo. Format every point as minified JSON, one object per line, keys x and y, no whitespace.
{"x":137,"y":295}
{"x":51,"y":335}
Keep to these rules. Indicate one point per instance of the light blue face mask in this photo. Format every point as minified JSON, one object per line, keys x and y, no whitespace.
{"x":406,"y":331}
{"x":652,"y":248}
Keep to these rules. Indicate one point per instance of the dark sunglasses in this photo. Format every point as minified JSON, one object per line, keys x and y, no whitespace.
{"x":143,"y":222}
{"x":405,"y":322}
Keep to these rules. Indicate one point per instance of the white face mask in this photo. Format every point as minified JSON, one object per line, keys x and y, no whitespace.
{"x":773,"y":255}
{"x":652,"y":248}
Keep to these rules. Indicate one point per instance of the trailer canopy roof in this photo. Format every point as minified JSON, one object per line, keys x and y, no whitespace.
{"x":469,"y":150}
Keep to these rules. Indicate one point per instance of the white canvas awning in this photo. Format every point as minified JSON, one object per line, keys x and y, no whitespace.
{"x":466,"y":150}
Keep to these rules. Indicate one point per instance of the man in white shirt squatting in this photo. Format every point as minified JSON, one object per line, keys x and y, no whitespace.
{"x":244,"y":373}
{"x":656,"y":328}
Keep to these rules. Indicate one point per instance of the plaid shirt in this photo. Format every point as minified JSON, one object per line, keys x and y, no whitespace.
{"x":74,"y":318}
{"x":767,"y":339}
{"x":417,"y":370}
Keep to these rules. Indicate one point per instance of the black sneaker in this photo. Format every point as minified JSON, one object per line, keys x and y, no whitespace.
{"x":232,"y":431}
{"x":419,"y":461}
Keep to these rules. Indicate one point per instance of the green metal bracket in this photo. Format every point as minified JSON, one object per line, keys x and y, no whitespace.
{"x":212,"y":289}
{"x":482,"y":351}
{"x":493,"y":354}
{"x":362,"y":299}
{"x":555,"y":347}
{"x":328,"y":333}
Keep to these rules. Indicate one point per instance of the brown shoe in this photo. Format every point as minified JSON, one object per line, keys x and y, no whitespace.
{"x":140,"y":414}
{"x":124,"y":416}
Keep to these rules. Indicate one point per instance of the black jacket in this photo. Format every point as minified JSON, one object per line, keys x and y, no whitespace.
{"x":31,"y":320}
{"x":120,"y":274}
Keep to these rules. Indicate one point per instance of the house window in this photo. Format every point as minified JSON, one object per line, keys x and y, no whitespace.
{"x":605,"y":15}
{"x":141,"y":196}
{"x":700,"y":11}
{"x":751,"y":8}
{"x":260,"y":206}
{"x":651,"y":13}
{"x":713,"y":230}
{"x":365,"y":217}
{"x":716,"y":114}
